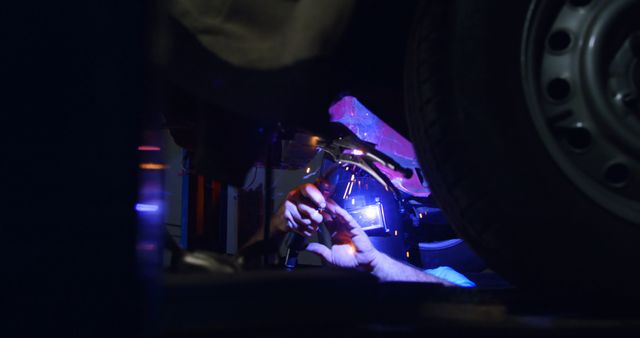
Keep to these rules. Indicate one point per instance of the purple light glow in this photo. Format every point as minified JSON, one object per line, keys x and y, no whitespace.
{"x":146,"y":246}
{"x":368,"y":127}
{"x":354,"y":152}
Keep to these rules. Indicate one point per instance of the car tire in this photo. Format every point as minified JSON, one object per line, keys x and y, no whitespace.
{"x":487,"y":164}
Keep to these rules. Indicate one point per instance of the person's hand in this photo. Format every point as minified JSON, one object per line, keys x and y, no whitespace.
{"x":351,"y":246}
{"x":300,"y":211}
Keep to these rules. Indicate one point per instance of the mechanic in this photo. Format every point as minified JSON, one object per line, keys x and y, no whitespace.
{"x":306,"y":207}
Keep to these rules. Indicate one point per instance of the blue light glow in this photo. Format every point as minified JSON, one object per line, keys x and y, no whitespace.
{"x":370,"y":217}
{"x":370,"y":212}
{"x":141,"y":207}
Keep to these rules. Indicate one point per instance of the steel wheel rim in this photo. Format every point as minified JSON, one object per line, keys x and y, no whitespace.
{"x":580,"y":79}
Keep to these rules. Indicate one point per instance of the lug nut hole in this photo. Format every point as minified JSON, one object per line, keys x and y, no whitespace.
{"x":617,"y":174}
{"x":558,"y":89}
{"x":579,"y":138}
{"x":559,"y":41}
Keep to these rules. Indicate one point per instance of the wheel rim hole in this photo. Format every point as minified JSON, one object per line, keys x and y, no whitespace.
{"x":558,"y":89}
{"x":579,"y":138}
{"x":559,"y":41}
{"x":579,"y":3}
{"x":617,"y":174}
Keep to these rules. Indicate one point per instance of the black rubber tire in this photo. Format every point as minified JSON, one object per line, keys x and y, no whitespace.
{"x":487,"y":166}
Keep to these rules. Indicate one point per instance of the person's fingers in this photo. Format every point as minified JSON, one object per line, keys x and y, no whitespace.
{"x":290,"y":223}
{"x":331,"y":205}
{"x":356,"y":232}
{"x":330,"y":214}
{"x":305,"y":230}
{"x":295,"y":214}
{"x":337,"y":221}
{"x":312,"y":228}
{"x":361,"y":240}
{"x":334,"y":208}
{"x":311,"y":192}
{"x":320,"y":250}
{"x":292,"y":214}
{"x":347,"y":219}
{"x":310,"y":212}
{"x":340,"y":211}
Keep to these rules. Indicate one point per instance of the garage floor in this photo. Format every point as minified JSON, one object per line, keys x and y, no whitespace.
{"x":273,"y":304}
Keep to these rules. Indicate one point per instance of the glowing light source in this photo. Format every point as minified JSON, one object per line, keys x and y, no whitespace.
{"x":357,"y":152}
{"x":370,"y":217}
{"x":407,"y":254}
{"x":420,"y":215}
{"x":370,"y":212}
{"x":395,"y":233}
{"x":351,"y":250}
{"x":141,"y":207}
{"x":308,"y":170}
{"x":153,"y":166}
{"x":347,"y":190}
{"x":314,"y":140}
{"x":148,"y":148}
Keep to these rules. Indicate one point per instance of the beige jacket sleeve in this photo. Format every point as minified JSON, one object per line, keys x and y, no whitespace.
{"x":264,"y":34}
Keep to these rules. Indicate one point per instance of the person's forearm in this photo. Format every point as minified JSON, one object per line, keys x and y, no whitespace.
{"x":390,"y":270}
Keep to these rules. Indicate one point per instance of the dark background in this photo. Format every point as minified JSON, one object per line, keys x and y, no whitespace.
{"x":74,"y":101}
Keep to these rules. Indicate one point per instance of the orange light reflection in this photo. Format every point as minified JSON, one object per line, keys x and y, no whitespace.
{"x":153,"y":166}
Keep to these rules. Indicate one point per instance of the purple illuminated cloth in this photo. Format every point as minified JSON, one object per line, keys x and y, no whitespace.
{"x":368,"y":127}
